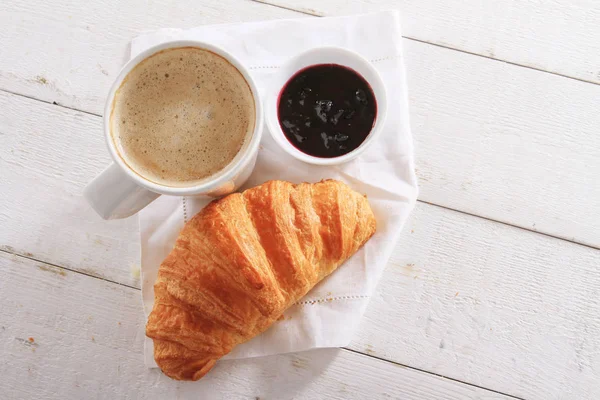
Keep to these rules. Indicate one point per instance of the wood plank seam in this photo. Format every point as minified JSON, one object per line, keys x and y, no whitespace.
{"x":499,"y":60}
{"x":313,"y":13}
{"x":54,"y":103}
{"x":419,"y":200}
{"x":49,"y":267}
{"x":29,"y":256}
{"x":432,"y":275}
{"x":433,"y":373}
{"x":317,"y":14}
{"x":508,"y":224}
{"x":10,"y":250}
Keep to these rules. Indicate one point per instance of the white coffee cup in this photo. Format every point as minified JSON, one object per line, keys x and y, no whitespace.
{"x":120,"y":192}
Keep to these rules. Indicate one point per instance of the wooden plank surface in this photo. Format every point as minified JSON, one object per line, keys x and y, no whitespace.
{"x":523,"y":151}
{"x":66,"y":335}
{"x":48,"y":153}
{"x":489,"y":304}
{"x":505,"y":142}
{"x":496,"y":140}
{"x":70,"y":52}
{"x":507,"y":279}
{"x":560,"y":36}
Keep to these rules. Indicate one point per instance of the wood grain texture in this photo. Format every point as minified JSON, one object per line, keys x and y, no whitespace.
{"x":70,"y":52}
{"x":44,"y":217}
{"x":493,"y":139}
{"x":524,"y":151}
{"x":505,"y":142}
{"x":47,"y":155}
{"x":66,"y":335}
{"x":489,"y":304}
{"x":560,"y":36}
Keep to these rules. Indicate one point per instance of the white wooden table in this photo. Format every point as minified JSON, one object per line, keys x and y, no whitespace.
{"x":493,"y":291}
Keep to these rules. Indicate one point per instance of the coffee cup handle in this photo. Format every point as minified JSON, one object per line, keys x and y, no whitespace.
{"x":113,"y":195}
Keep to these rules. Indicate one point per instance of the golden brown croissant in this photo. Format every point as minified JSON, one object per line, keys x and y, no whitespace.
{"x":242,"y":261}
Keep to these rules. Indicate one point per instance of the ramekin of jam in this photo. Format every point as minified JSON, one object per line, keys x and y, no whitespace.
{"x":326,"y":106}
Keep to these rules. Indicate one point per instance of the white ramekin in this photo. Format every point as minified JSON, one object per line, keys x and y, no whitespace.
{"x":318,"y":56}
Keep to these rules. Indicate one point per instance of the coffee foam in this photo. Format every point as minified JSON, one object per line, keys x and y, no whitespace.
{"x":181,"y":116}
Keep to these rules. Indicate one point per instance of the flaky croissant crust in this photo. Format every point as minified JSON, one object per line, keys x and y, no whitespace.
{"x":242,"y":261}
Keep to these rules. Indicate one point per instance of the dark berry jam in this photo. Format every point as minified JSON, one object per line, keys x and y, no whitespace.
{"x":327,"y":110}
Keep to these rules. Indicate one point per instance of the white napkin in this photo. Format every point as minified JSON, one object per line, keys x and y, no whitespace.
{"x":330,"y":313}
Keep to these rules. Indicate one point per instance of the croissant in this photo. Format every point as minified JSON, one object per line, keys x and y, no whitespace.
{"x":242,"y":261}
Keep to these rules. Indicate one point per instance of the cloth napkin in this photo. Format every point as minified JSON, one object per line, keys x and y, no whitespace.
{"x":331,"y":312}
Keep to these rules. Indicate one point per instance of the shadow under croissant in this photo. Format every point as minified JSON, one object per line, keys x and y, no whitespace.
{"x":281,"y":377}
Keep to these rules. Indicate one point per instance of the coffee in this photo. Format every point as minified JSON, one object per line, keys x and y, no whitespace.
{"x":181,"y":116}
